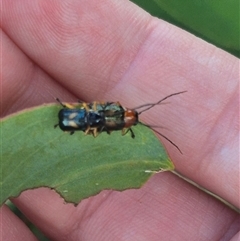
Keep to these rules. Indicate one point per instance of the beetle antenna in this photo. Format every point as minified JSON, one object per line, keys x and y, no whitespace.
{"x":149,"y":106}
{"x":162,"y":136}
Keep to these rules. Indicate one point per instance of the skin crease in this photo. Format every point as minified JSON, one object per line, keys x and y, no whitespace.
{"x":113,"y":50}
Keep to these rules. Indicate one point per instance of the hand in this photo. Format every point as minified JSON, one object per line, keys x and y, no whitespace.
{"x":114,"y":51}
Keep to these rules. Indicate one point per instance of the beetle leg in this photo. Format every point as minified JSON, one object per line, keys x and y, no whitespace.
{"x":88,"y":131}
{"x":118,"y":103}
{"x":126,"y":130}
{"x":85,"y":106}
{"x":66,"y":105}
{"x":95,"y":132}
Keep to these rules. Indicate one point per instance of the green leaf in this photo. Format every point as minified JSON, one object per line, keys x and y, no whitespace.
{"x":35,"y":154}
{"x":216,"y":21}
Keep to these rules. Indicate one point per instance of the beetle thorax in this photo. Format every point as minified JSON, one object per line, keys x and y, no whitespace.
{"x":130,"y":118}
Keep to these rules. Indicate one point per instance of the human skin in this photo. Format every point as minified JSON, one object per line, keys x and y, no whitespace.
{"x":113,"y":50}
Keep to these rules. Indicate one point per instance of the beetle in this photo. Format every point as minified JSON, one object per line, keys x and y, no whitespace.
{"x":96,"y":117}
